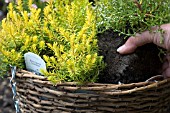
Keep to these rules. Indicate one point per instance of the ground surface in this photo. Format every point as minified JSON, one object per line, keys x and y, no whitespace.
{"x":6,"y":103}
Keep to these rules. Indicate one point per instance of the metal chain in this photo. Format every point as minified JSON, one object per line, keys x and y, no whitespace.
{"x":13,"y":84}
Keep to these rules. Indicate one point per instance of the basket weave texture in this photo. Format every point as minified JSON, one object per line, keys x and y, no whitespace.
{"x":37,"y":95}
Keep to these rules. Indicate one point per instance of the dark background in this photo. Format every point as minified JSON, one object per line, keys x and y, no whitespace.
{"x":6,"y":102}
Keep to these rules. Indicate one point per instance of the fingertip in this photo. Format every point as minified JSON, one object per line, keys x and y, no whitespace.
{"x":126,"y":49}
{"x":121,"y":49}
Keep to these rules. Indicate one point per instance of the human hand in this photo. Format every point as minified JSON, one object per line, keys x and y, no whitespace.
{"x":151,"y":37}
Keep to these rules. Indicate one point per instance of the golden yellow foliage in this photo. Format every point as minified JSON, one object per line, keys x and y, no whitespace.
{"x":63,"y":34}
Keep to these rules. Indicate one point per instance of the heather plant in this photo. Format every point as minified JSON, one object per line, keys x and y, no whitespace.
{"x":63,"y":33}
{"x":131,"y":16}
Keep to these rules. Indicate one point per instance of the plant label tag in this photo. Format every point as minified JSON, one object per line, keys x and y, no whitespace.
{"x":34,"y":63}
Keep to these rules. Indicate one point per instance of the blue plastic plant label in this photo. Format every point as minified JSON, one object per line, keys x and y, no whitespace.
{"x":34,"y":63}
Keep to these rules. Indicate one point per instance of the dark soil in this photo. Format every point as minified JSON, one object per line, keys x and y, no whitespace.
{"x":136,"y":67}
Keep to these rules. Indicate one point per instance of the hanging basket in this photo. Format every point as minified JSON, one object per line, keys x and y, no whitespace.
{"x":37,"y":95}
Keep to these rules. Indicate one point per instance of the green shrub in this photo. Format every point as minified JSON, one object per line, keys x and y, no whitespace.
{"x":131,"y":16}
{"x":63,"y":33}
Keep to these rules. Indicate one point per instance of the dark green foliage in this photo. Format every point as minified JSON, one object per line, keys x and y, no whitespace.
{"x":131,"y":16}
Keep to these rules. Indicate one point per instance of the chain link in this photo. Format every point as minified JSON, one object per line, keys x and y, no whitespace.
{"x":13,"y":84}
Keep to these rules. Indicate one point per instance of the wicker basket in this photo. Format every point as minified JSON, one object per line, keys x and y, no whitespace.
{"x":37,"y":95}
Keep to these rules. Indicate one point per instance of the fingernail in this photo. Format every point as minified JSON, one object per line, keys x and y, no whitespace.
{"x":120,"y":49}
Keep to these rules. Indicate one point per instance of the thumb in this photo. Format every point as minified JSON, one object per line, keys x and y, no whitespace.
{"x":133,"y":42}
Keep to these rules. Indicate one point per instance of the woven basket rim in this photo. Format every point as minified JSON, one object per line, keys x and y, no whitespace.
{"x":27,"y":74}
{"x":131,"y":87}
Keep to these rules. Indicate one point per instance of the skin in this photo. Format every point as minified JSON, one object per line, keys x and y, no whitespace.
{"x":151,"y":37}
